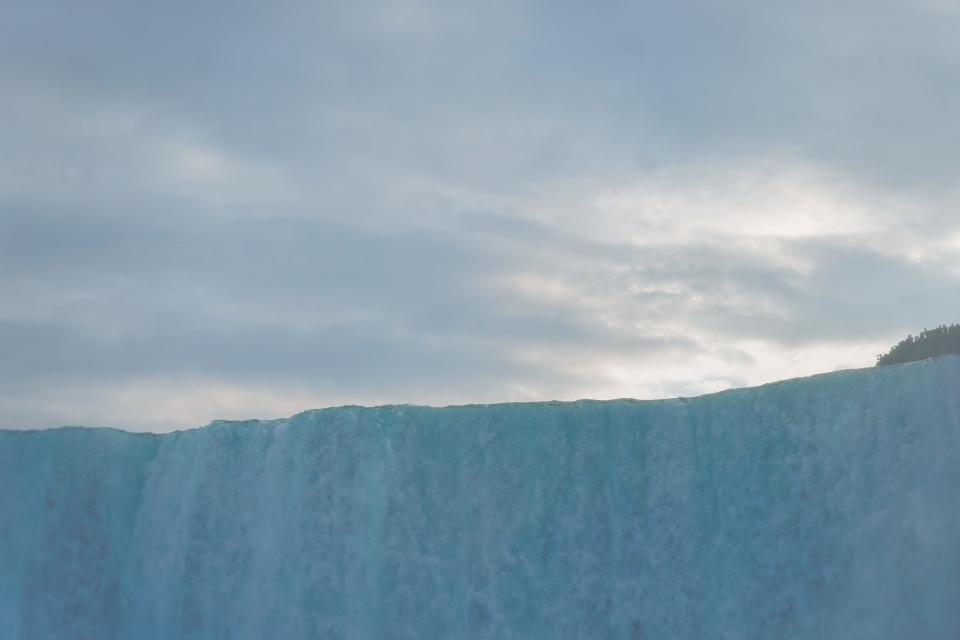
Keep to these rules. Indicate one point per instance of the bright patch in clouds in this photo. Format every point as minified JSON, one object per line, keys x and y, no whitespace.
{"x":745,"y":203}
{"x":201,"y":171}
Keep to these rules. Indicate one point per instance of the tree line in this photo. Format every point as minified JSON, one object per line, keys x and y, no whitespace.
{"x":931,"y":342}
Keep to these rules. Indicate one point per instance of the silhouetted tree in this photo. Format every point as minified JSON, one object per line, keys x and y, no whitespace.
{"x":931,"y":342}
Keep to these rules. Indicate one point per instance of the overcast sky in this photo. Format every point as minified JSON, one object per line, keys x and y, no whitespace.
{"x":247,"y":209}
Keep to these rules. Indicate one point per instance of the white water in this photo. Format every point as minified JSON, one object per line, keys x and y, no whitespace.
{"x":826,"y":507}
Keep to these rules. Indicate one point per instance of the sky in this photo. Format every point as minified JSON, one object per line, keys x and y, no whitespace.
{"x":225,"y":210}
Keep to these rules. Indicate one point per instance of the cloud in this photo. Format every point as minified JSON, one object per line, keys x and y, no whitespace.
{"x":239,"y":211}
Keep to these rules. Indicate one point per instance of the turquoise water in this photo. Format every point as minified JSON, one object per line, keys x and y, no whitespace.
{"x":826,"y":507}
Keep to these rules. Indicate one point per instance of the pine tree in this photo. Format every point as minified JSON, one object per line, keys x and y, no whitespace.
{"x":931,"y":342}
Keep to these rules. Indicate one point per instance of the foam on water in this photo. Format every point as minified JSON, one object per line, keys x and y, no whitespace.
{"x":827,"y":507}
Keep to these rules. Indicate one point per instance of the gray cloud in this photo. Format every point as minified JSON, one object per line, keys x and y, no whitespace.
{"x":223,"y":210}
